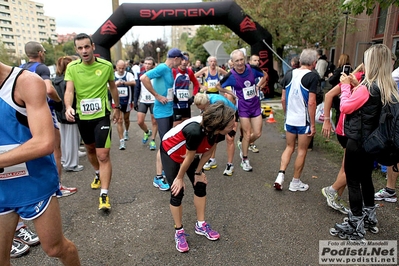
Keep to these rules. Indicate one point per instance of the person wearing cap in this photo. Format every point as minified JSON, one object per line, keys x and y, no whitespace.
{"x":162,"y":89}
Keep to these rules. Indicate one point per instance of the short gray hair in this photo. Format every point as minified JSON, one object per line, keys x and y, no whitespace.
{"x":308,"y":57}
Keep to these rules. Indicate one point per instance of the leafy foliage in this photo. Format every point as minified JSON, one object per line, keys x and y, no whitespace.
{"x":359,"y":6}
{"x":216,"y":32}
{"x":150,"y":49}
{"x":301,"y":23}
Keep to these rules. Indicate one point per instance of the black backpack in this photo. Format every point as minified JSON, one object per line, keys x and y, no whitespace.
{"x":330,"y":69}
{"x":383,"y":142}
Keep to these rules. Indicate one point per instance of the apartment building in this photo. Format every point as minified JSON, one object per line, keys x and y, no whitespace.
{"x":382,"y":26}
{"x":22,"y":21}
{"x":177,"y":31}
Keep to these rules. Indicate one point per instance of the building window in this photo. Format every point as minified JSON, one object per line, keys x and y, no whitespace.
{"x":381,"y":21}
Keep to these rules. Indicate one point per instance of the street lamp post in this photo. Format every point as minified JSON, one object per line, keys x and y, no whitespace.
{"x":158,"y":51}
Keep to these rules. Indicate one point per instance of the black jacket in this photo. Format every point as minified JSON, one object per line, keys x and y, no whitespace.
{"x":362,"y":122}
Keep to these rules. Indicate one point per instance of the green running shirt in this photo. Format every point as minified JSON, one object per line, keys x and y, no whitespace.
{"x":91,"y":87}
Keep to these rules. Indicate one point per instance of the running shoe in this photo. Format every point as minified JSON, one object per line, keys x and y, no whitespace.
{"x":246,"y":166}
{"x":298,"y":186}
{"x":205,"y":230}
{"x":81,"y":154}
{"x":253,"y":148}
{"x":96,"y":184}
{"x":26,"y":236}
{"x":153,"y":146}
{"x":180,"y":239}
{"x":343,"y":206}
{"x":18,"y":249}
{"x":332,"y":198}
{"x":77,"y":168}
{"x":126,"y":135}
{"x":229,"y":170}
{"x":104,"y":202}
{"x":67,"y":191}
{"x":385,"y":195}
{"x":211,"y":164}
{"x":161,"y":183}
{"x":122,"y":145}
{"x":278,"y":184}
{"x":146,"y":136}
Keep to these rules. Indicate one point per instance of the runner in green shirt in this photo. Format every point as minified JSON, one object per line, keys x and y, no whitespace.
{"x":88,"y":78}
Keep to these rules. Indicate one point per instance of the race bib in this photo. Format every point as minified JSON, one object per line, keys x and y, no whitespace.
{"x":14,"y":171}
{"x":123,"y":91}
{"x":90,"y":106}
{"x":182,"y":95}
{"x":249,"y":92}
{"x":170,"y":95}
{"x":212,"y":83}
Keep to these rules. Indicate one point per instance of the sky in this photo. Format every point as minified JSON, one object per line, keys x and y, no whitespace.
{"x":88,"y":15}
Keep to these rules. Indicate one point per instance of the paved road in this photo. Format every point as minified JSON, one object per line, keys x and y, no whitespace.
{"x":258,"y":225}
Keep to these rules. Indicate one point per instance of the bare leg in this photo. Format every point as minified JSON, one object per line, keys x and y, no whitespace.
{"x":340,"y":183}
{"x":303,"y":143}
{"x":392,"y":177}
{"x":8,"y":223}
{"x":49,"y":229}
{"x":289,"y":150}
{"x":105,"y":166}
{"x":177,"y":214}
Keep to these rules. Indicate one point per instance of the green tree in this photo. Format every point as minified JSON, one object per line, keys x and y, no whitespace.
{"x":150,"y":49}
{"x":5,"y":57}
{"x":69,"y":48}
{"x":358,"y":6}
{"x":215,"y":32}
{"x":135,"y":52}
{"x":303,"y":24}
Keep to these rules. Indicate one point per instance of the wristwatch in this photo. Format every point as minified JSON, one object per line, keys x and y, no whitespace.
{"x":118,"y":107}
{"x":198,"y":173}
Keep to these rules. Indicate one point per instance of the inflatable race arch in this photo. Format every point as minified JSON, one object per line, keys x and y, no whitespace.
{"x":226,"y":13}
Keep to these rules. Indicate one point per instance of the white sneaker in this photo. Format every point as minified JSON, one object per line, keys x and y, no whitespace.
{"x":253,"y":148}
{"x":229,"y":170}
{"x":246,"y":166}
{"x":211,"y":164}
{"x":122,"y":145}
{"x":384,"y":195}
{"x":298,"y":186}
{"x":278,"y":184}
{"x":81,"y":154}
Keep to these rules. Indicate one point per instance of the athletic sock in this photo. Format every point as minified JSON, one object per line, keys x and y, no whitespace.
{"x":282,"y":171}
{"x":390,"y":190}
{"x":295,"y":180}
{"x":200,"y":223}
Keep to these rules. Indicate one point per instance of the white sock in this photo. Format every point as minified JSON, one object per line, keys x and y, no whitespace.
{"x":295,"y":180}
{"x":200,"y":223}
{"x":19,"y":226}
{"x":104,"y":191}
{"x":330,"y":188}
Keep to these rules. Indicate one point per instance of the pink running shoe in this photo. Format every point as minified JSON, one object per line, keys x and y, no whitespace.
{"x":206,"y":231}
{"x":180,"y":239}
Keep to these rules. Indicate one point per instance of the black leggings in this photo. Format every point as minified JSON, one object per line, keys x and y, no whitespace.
{"x":172,"y":168}
{"x":358,"y":170}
